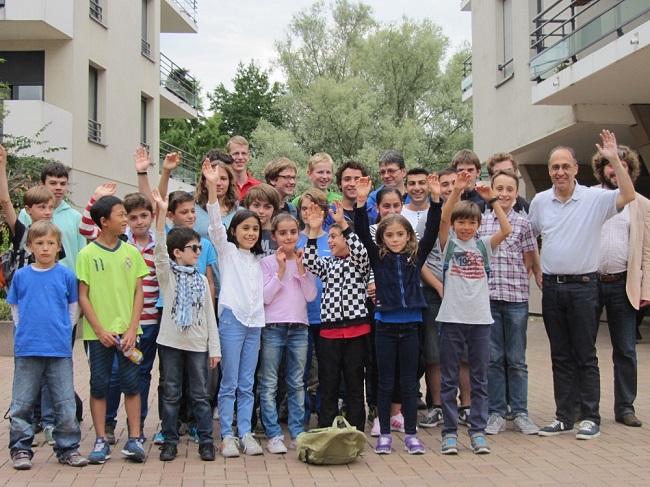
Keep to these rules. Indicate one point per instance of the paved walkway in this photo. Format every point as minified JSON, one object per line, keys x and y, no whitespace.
{"x":619,"y":456}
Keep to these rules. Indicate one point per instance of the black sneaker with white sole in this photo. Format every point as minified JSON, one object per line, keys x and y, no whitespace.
{"x":555,"y":428}
{"x":588,"y":430}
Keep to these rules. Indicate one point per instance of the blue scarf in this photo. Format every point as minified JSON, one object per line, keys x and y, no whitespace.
{"x":190,"y":292}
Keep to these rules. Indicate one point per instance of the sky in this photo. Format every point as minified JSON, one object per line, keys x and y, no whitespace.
{"x":233,"y":31}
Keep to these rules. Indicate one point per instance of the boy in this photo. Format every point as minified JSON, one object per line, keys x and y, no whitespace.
{"x":188,"y":332}
{"x":43,"y":299}
{"x":346,"y":179}
{"x":467,"y":160}
{"x":263,"y":200}
{"x":319,"y":171}
{"x":238,"y":148}
{"x":344,"y":316}
{"x":281,"y":174}
{"x":110,"y":276}
{"x":418,"y":191}
{"x":54,"y":176}
{"x":465,"y":273}
{"x":509,"y":284}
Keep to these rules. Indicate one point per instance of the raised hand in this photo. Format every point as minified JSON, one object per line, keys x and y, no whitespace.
{"x":364,"y":184}
{"x":161,"y":202}
{"x":337,"y":213}
{"x":300,"y":253}
{"x":141,"y":159}
{"x":434,"y":187}
{"x":281,"y":257}
{"x":609,"y":149}
{"x":315,"y":216}
{"x":485,"y":191}
{"x":172,"y":160}
{"x":210,"y":173}
{"x":463,"y":180}
{"x":106,"y":189}
{"x":3,"y":156}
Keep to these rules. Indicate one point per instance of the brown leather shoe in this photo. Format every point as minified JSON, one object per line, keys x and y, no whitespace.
{"x":629,"y":419}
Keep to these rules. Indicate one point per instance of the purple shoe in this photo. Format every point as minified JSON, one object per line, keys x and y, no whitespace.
{"x":413,"y":445}
{"x":384,"y":445}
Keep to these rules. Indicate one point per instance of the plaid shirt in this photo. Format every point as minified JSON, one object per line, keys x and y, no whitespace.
{"x":508,"y":276}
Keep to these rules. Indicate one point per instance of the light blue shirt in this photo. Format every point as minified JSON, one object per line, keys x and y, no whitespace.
{"x":571,"y":231}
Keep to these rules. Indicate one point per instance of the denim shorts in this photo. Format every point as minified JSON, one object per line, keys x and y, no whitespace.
{"x":100,"y":359}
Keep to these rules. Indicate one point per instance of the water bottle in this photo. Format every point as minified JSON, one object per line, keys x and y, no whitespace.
{"x":134,"y":355}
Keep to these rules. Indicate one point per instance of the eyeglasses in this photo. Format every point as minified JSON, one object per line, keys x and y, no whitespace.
{"x":287,"y":178}
{"x":390,"y":172}
{"x":564,"y":167}
{"x":195,"y":248}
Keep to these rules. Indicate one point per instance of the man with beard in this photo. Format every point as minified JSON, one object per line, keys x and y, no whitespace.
{"x":624,"y":279}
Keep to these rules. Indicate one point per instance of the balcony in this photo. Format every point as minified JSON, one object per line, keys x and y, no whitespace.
{"x":187,"y":170}
{"x":585,"y":52}
{"x":36,"y":19}
{"x":28,"y":117}
{"x":466,"y":83}
{"x":179,"y":93}
{"x":178,"y":16}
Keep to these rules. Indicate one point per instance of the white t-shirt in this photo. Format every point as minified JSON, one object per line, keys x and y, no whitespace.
{"x":466,"y":294}
{"x":414,"y":216}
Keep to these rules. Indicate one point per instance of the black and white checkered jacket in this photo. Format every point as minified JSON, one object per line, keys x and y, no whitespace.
{"x":345,"y":282}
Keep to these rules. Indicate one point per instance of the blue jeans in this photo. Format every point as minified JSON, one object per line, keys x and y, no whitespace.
{"x":397,"y":341}
{"x":196,"y":365}
{"x":453,"y":337}
{"x":312,"y":348}
{"x":29,"y":374}
{"x":570,"y":312}
{"x":291,"y":339}
{"x":508,"y":346}
{"x":147,"y":345}
{"x":240,"y":346}
{"x":621,"y":317}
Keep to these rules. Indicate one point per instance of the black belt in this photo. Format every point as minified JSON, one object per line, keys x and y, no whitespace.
{"x":570,"y":278}
{"x":612,"y":277}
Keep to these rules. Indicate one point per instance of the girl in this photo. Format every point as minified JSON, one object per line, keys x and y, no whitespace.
{"x":241,"y":315}
{"x":396,"y":260}
{"x":287,"y":289}
{"x":388,"y":202}
{"x":315,"y":196}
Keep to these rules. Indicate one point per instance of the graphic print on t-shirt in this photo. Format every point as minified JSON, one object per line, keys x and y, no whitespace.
{"x":467,"y":264}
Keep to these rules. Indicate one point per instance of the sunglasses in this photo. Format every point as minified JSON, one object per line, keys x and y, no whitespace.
{"x":195,"y":248}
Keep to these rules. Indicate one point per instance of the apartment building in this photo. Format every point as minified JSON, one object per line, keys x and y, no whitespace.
{"x":556,"y":72}
{"x":92,"y":73}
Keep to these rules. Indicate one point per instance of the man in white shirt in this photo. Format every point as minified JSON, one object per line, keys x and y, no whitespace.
{"x":418,"y":191}
{"x":624,"y":279}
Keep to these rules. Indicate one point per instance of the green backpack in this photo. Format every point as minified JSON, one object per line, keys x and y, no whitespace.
{"x":331,"y":446}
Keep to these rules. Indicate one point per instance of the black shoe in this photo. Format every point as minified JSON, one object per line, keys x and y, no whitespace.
{"x":421,"y":404}
{"x":630,"y":419}
{"x":206,"y":450}
{"x":168,"y":452}
{"x":109,"y":433}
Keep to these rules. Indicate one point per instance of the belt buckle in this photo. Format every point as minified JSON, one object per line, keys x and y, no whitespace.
{"x":560,"y":279}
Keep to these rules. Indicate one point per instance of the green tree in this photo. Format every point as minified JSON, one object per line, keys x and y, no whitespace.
{"x":196,"y":136}
{"x":252,"y":99}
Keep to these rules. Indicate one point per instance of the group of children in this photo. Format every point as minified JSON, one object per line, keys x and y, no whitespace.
{"x":278,"y":287}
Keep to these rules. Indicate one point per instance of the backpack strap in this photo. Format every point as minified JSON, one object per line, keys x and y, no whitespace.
{"x":486,"y":263}
{"x":451,"y":246}
{"x":292,"y":209}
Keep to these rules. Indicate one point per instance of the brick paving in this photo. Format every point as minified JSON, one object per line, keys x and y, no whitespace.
{"x":619,"y":456}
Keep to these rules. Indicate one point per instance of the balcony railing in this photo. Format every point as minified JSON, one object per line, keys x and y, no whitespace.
{"x":562,"y":31}
{"x":178,"y":81}
{"x":187,"y":170}
{"x":466,"y":83}
{"x":94,"y":131}
{"x":96,"y":11}
{"x":189,"y":7}
{"x":145,"y":48}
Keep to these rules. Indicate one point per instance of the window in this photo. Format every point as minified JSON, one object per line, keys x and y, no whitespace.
{"x":505,"y":41}
{"x":96,"y":11}
{"x":145,"y":45}
{"x":24,"y":73}
{"x":94,"y":127}
{"x":143,"y":122}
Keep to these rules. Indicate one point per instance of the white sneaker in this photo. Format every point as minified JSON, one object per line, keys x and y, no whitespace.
{"x":229,"y":447}
{"x":276,"y":445}
{"x":495,"y":425}
{"x":397,"y":423}
{"x":250,"y":446}
{"x":215,"y":413}
{"x":524,"y":424}
{"x":294,"y":444}
{"x":376,"y":429}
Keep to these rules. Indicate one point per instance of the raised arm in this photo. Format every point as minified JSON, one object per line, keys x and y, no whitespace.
{"x":5,"y":199}
{"x":505,"y":228}
{"x":462,"y":182}
{"x":87,"y":227}
{"x":609,"y":150}
{"x":361,"y":222}
{"x":171,"y":162}
{"x":161,"y":257}
{"x":142,"y":162}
